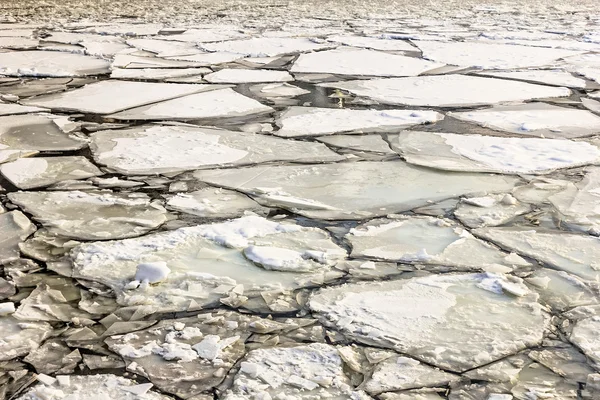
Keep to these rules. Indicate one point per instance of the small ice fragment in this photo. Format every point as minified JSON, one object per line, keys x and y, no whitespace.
{"x":46,"y":380}
{"x":7,"y":308}
{"x":139,"y":390}
{"x":152,"y":272}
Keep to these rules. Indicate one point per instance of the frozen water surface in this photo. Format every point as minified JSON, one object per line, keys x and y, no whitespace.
{"x":299,"y":200}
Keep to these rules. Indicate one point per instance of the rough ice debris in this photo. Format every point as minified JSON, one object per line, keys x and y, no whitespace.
{"x":476,"y":153}
{"x":456,"y":322}
{"x":492,"y":210}
{"x":18,"y":338}
{"x":447,"y":90}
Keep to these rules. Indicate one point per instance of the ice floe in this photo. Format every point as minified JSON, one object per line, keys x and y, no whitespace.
{"x":448,"y":90}
{"x":348,"y":61}
{"x":248,"y":76}
{"x":429,"y":317}
{"x":51,"y":64}
{"x":19,"y":338}
{"x":266,"y":46}
{"x":322,"y":191}
{"x":490,"y":55}
{"x":15,"y":109}
{"x":15,"y":227}
{"x":373,"y":43}
{"x":160,"y":149}
{"x":426,"y":240}
{"x":113,"y":96}
{"x":314,"y":121}
{"x":455,"y":152}
{"x":560,"y":290}
{"x":157,"y":73}
{"x":29,"y":173}
{"x":547,"y":77}
{"x":491,"y":210}
{"x":369,"y":143}
{"x":214,"y":203}
{"x":535,"y":119}
{"x":220,"y":103}
{"x":228,"y":261}
{"x":92,"y":215}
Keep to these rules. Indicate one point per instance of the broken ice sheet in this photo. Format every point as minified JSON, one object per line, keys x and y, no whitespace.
{"x":277,"y":90}
{"x":427,"y":240}
{"x":164,"y":48}
{"x":28,"y":173}
{"x":26,"y":135}
{"x":491,"y":210}
{"x":380,"y":188}
{"x":107,"y":387}
{"x":447,"y":90}
{"x":205,"y":35}
{"x":15,"y":228}
{"x":476,"y":153}
{"x":221,"y":103}
{"x":248,"y":76}
{"x":548,"y":77}
{"x":54,"y":357}
{"x":15,"y":109}
{"x":577,"y":206}
{"x":574,"y":253}
{"x":535,"y":119}
{"x":456,"y":322}
{"x":266,"y":46}
{"x":18,"y":43}
{"x":561,"y":290}
{"x":349,"y":61}
{"x":373,"y":43}
{"x":204,"y":263}
{"x":490,"y":55}
{"x":306,"y":372}
{"x":536,"y":379}
{"x":157,"y":73}
{"x":590,"y":104}
{"x":18,"y":338}
{"x":368,"y":143}
{"x":401,"y":373}
{"x":160,"y":149}
{"x":313,"y":121}
{"x":214,"y":203}
{"x":566,"y":361}
{"x":208,"y":59}
{"x":113,"y":96}
{"x":51,"y":64}
{"x":92,"y":215}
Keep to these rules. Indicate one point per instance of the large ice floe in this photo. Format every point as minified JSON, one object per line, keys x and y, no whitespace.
{"x":455,"y":152}
{"x":348,"y":61}
{"x":322,"y":191}
{"x":51,"y":64}
{"x":535,"y":119}
{"x":223,"y":103}
{"x":433,"y":318}
{"x":199,"y":265}
{"x":248,"y":76}
{"x":214,"y":203}
{"x":372,"y":43}
{"x":490,"y":55}
{"x":313,"y":121}
{"x":447,"y":90}
{"x":266,"y":46}
{"x":92,"y":215}
{"x":548,"y":77}
{"x":112,"y":96}
{"x":160,"y":149}
{"x":427,"y":240}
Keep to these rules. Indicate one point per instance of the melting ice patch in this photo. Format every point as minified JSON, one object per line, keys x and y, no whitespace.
{"x":477,"y":153}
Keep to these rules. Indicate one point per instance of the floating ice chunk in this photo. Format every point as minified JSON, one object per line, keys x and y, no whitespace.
{"x":381,"y":188}
{"x":7,"y":308}
{"x":26,"y":135}
{"x":128,"y":61}
{"x":206,"y":35}
{"x":306,"y":372}
{"x":560,"y":290}
{"x":28,"y":173}
{"x":208,"y":59}
{"x":123,"y":29}
{"x":206,"y":262}
{"x":584,"y":336}
{"x":18,"y":43}
{"x":369,"y":143}
{"x":248,"y":76}
{"x":447,"y":90}
{"x":15,"y":109}
{"x":278,"y":90}
{"x":51,"y":64}
{"x":401,"y":373}
{"x":157,"y":73}
{"x":105,"y":387}
{"x":567,"y":362}
{"x":92,"y":215}
{"x":591,"y":105}
{"x":590,"y":73}
{"x":214,"y":203}
{"x":455,"y":152}
{"x":152,"y":272}
{"x":15,"y":228}
{"x":490,"y":55}
{"x":98,"y":45}
{"x":164,"y":48}
{"x":423,"y":240}
{"x":266,"y":46}
{"x":19,"y":338}
{"x":547,"y":77}
{"x":492,"y":210}
{"x":428,"y":318}
{"x":160,"y":149}
{"x":349,"y":61}
{"x":535,"y":119}
{"x":113,"y":96}
{"x":212,"y":104}
{"x":573,"y":253}
{"x":312,"y":121}
{"x":537,"y":380}
{"x":373,"y":43}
